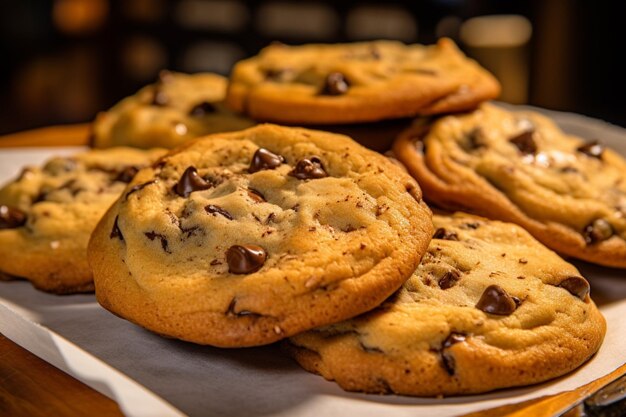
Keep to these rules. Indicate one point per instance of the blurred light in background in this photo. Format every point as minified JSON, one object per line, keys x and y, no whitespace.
{"x":225,"y":15}
{"x":297,"y":20}
{"x":381,"y":22}
{"x":211,"y":56}
{"x":143,"y":57}
{"x":500,"y":44}
{"x":79,"y":16}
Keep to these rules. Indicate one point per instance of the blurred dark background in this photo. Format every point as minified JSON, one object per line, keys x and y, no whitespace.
{"x":62,"y":61}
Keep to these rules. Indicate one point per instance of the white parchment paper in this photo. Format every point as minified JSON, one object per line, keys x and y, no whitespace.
{"x":77,"y":335}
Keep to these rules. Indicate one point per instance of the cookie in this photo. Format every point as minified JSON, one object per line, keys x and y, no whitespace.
{"x":245,"y":238}
{"x":176,"y":108}
{"x":489,"y":307}
{"x":518,"y":166}
{"x":48,"y":213}
{"x":357,"y":82}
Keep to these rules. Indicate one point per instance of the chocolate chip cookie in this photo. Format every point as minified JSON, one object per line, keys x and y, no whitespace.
{"x":176,"y":108}
{"x":358,"y":82}
{"x":518,"y":166}
{"x":489,"y":307}
{"x":48,"y":213}
{"x":245,"y":238}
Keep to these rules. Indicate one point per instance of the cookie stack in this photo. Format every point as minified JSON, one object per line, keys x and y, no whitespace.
{"x":304,"y":236}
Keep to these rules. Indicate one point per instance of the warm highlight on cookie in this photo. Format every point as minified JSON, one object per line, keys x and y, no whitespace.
{"x":47,"y":215}
{"x":489,"y":307}
{"x":176,"y":108}
{"x":245,"y":238}
{"x":568,"y":192}
{"x":357,"y":82}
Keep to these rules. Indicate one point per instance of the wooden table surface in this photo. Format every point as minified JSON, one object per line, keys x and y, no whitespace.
{"x":31,"y":387}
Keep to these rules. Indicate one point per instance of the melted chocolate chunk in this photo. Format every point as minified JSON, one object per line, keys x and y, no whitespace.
{"x":335,"y":84}
{"x":442,"y":233}
{"x":525,"y":142}
{"x":449,"y":279}
{"x":309,"y":168}
{"x":597,"y":231}
{"x":447,"y":360}
{"x":593,"y":149}
{"x":212,"y":209}
{"x":495,"y":300}
{"x":202,"y":109}
{"x":115,"y":231}
{"x":164,"y":243}
{"x":255,"y":195}
{"x":139,"y":187}
{"x":245,"y":259}
{"x":264,"y":159}
{"x":577,"y":286}
{"x":127,"y":174}
{"x":476,"y":139}
{"x":189,"y":182}
{"x":11,"y":217}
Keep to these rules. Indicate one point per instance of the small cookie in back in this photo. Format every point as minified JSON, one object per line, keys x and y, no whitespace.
{"x":176,"y":108}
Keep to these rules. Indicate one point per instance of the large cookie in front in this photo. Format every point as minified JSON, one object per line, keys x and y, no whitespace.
{"x":47,"y":215}
{"x":489,"y":307}
{"x":245,"y":238}
{"x":518,"y":166}
{"x":357,"y":82}
{"x":176,"y":108}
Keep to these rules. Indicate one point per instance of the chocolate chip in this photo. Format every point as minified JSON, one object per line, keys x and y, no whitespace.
{"x":597,"y":231}
{"x":202,"y":109}
{"x":231,"y":310}
{"x":11,"y":217}
{"x":309,"y":168}
{"x":264,"y":159}
{"x":189,"y":182}
{"x":592,"y":148}
{"x":476,"y":139}
{"x":115,"y":231}
{"x":495,"y":300}
{"x":164,"y":243}
{"x":245,"y":259}
{"x":139,"y":187}
{"x":525,"y":142}
{"x":370,"y":349}
{"x":212,"y":209}
{"x":442,"y":233}
{"x":335,"y":84}
{"x":577,"y":286}
{"x":447,"y":360}
{"x":278,"y":74}
{"x":127,"y":174}
{"x":159,"y":98}
{"x":255,"y":195}
{"x":449,"y":279}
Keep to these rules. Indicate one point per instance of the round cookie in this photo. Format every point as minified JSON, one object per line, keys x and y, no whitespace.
{"x":245,"y":238}
{"x":520,"y":167}
{"x":47,"y":215}
{"x":357,"y":82}
{"x":489,"y":307}
{"x":176,"y":108}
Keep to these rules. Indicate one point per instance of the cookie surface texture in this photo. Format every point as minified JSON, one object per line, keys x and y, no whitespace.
{"x":176,"y":108}
{"x":358,"y":82}
{"x":518,"y":166}
{"x":245,"y":238}
{"x":489,"y":307}
{"x":48,"y":213}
